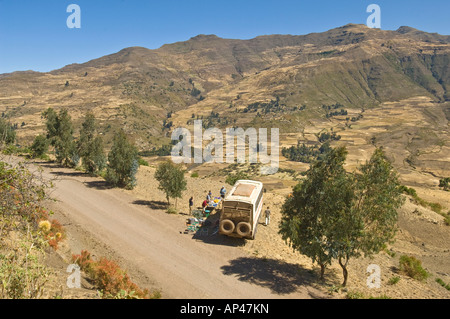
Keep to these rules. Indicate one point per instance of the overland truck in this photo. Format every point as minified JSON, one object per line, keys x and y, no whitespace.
{"x":241,"y":210}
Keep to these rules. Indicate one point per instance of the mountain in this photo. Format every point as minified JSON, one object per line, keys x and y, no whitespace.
{"x":144,"y":90}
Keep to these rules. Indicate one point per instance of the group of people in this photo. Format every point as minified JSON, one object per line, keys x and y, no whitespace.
{"x":223,"y":192}
{"x":208,"y":200}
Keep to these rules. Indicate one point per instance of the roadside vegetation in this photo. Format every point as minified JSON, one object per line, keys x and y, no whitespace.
{"x":85,"y":152}
{"x":112,"y":281}
{"x":26,"y":233}
{"x":171,"y":181}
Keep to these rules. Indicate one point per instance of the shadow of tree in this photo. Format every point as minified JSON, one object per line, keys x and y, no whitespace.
{"x":69,"y":174}
{"x":100,"y":185}
{"x":157,"y":205}
{"x":279,"y":276}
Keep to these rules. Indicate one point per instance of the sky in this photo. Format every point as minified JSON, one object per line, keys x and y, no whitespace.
{"x":34,"y":34}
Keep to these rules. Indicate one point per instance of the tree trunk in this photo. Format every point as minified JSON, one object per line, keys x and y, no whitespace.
{"x":322,"y":271}
{"x":344,"y":270}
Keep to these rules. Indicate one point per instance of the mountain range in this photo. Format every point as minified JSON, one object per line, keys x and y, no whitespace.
{"x":268,"y":80}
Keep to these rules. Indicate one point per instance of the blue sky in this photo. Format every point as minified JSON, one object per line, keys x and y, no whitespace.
{"x":34,"y":34}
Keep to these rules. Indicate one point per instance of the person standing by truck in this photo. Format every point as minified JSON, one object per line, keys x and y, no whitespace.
{"x":223,"y":191}
{"x":191,"y":204}
{"x":267,"y":215}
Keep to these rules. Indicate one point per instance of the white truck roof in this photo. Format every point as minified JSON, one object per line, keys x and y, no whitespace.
{"x":245,"y":191}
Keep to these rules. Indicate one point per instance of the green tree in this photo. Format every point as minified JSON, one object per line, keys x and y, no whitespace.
{"x":39,"y":146}
{"x":171,"y":180}
{"x":122,"y":162}
{"x":51,"y":124}
{"x":90,"y":146}
{"x":337,"y":215}
{"x":60,"y":135}
{"x":64,"y":144}
{"x":308,"y":214}
{"x":7,"y":133}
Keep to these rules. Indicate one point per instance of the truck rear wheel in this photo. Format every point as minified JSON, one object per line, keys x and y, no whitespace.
{"x":244,"y":229}
{"x":226,"y":227}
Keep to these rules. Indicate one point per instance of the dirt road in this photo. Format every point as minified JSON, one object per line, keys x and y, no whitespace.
{"x":153,"y":242}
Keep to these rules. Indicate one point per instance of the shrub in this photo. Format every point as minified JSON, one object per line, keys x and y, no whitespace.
{"x":113,"y":282}
{"x":445,"y":183}
{"x":40,"y":146}
{"x":142,"y":162}
{"x":409,"y":191}
{"x":22,"y":275}
{"x":394,"y":280}
{"x":443,"y":284}
{"x":354,"y":295}
{"x":447,"y":219}
{"x":435,"y":207}
{"x":171,"y":210}
{"x":233,"y":178}
{"x":194,"y":175}
{"x":22,"y":271}
{"x":412,"y":267}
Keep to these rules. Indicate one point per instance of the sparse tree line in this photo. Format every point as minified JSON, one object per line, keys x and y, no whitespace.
{"x":119,"y":166}
{"x":121,"y":163}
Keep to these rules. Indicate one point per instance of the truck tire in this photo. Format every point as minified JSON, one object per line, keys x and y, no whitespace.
{"x":244,"y":229}
{"x":226,"y":227}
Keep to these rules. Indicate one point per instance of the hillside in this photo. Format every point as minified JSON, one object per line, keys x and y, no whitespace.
{"x":136,"y":88}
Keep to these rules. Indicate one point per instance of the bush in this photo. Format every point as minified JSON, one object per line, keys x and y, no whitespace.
{"x":443,"y":284}
{"x":435,"y":207}
{"x":113,"y":282}
{"x":142,"y":162}
{"x":354,"y":295}
{"x":394,"y":280}
{"x":445,"y":183}
{"x":412,"y":267}
{"x":233,"y":178}
{"x":23,"y":243}
{"x":171,"y":210}
{"x":194,"y":175}
{"x":39,"y":147}
{"x":447,"y":219}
